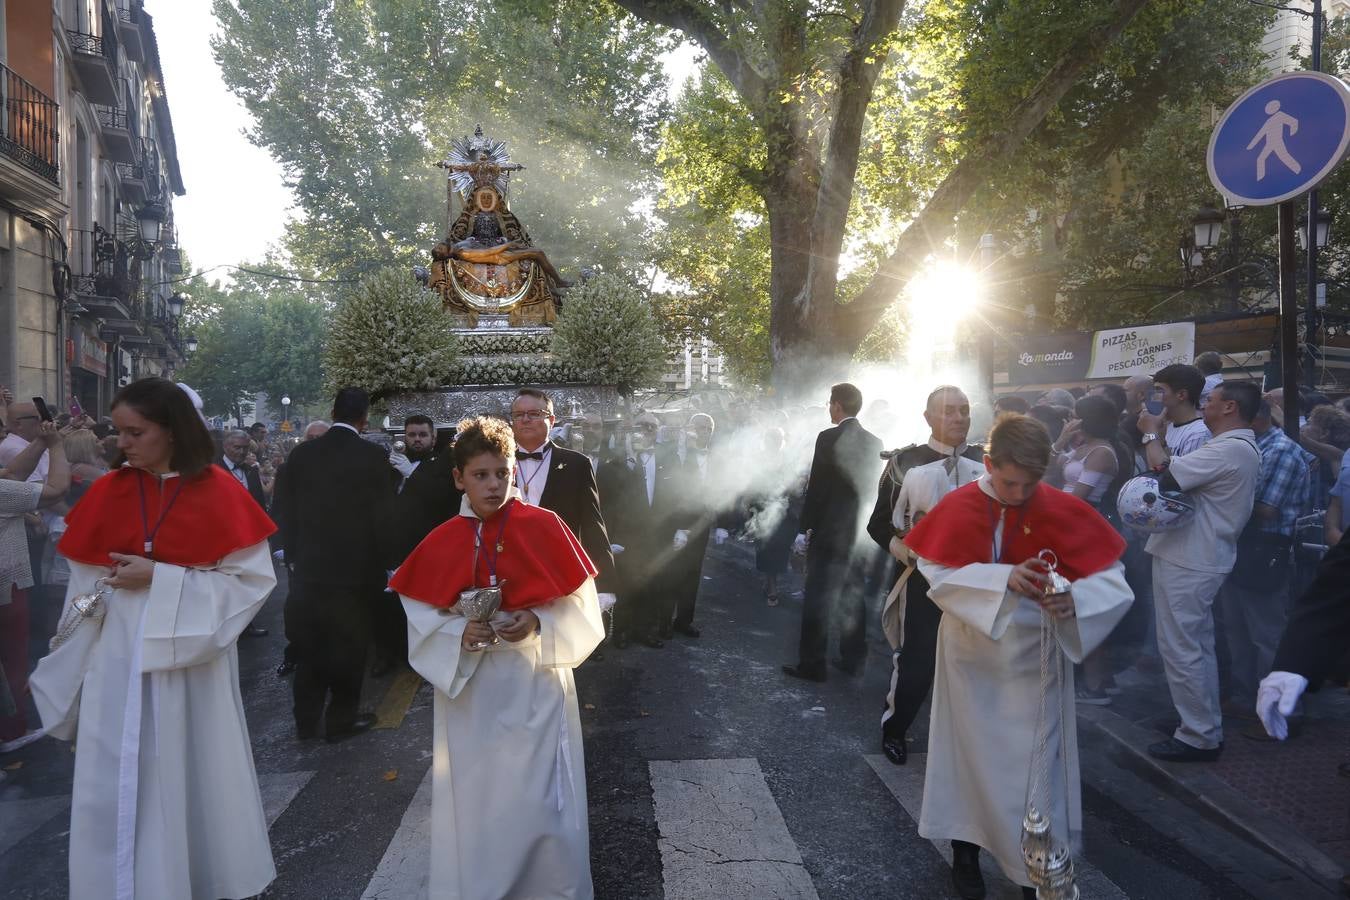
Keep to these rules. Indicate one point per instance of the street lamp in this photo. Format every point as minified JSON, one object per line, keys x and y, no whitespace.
{"x":191,"y":344}
{"x":1208,"y":223}
{"x":286,"y":408}
{"x":176,"y":304}
{"x":151,"y":217}
{"x":1323,"y":230}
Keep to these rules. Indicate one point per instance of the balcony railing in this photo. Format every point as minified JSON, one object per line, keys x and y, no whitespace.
{"x":28,"y":125}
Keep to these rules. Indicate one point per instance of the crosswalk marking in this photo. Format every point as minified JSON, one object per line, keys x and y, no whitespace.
{"x":722,"y":835}
{"x":278,"y":789}
{"x":405,"y":869}
{"x":397,"y":699}
{"x":906,"y":784}
{"x":20,"y":818}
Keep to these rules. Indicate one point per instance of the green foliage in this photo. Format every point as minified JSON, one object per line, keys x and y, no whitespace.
{"x":1090,"y":205}
{"x":389,"y":334}
{"x":608,"y":333}
{"x":258,"y":335}
{"x":358,"y":99}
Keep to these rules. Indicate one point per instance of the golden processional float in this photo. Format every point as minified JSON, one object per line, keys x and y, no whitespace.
{"x":487,"y":264}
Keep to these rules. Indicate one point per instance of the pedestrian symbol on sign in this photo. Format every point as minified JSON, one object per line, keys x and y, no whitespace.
{"x":1280,"y":139}
{"x":1273,"y":134}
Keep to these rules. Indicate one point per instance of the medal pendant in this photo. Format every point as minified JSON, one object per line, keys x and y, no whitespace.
{"x":1026,"y":529}
{"x":499,"y":548}
{"x":149,"y":547}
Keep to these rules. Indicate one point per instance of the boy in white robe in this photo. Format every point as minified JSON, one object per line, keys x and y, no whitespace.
{"x":979,"y":551}
{"x":509,"y":812}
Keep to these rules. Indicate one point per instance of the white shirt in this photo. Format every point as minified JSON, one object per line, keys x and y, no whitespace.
{"x":12,"y":446}
{"x":1220,"y":479}
{"x":649,"y":471}
{"x":532,"y":474}
{"x":237,"y":471}
{"x":351,"y":428}
{"x":1183,"y":439}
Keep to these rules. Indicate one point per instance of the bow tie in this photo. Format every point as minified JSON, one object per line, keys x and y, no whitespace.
{"x":521,"y":454}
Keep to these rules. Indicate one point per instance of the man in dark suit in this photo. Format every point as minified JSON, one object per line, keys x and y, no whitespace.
{"x":234,"y":452}
{"x":843,"y":471}
{"x":948,"y":418}
{"x":637,"y":492}
{"x":313,"y":431}
{"x":1314,"y":641}
{"x":562,"y":480}
{"x":333,"y":504}
{"x":699,"y":516}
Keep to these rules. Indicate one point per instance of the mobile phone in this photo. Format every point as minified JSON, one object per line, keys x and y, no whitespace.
{"x":43,"y":410}
{"x":1154,"y":406}
{"x":75,"y":409}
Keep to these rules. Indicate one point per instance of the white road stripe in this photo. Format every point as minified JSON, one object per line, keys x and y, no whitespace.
{"x":278,"y":789}
{"x":405,"y":870}
{"x":906,"y":784}
{"x":20,"y":818}
{"x":722,"y":835}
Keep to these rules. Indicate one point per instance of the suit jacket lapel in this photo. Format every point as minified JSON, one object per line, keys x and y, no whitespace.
{"x":551,"y":491}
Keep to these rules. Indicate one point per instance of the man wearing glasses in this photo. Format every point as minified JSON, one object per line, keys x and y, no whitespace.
{"x":25,"y":426}
{"x":560,"y":480}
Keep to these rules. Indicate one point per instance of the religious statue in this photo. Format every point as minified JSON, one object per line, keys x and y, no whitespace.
{"x":487,"y":263}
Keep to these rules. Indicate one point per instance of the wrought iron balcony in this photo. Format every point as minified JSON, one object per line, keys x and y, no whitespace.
{"x":129,"y":26}
{"x":95,"y":57}
{"x":121,"y":131}
{"x":29,"y":130}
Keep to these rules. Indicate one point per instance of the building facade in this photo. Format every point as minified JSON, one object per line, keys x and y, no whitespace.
{"x":698,"y":363}
{"x":1289,"y":37}
{"x":88,"y":173}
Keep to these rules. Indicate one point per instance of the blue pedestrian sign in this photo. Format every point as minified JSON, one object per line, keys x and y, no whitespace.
{"x":1280,"y":139}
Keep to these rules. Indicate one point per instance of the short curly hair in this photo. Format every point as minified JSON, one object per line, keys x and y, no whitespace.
{"x":483,"y":434}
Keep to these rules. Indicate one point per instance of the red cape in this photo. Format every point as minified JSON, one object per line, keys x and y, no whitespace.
{"x":960,"y":531}
{"x":541,"y":560}
{"x":213,"y":517}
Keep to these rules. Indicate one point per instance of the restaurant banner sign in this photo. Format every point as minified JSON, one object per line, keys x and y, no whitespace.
{"x":1051,"y":358}
{"x":1141,"y":350}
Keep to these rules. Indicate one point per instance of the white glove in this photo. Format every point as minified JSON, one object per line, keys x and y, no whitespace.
{"x":681,"y":539}
{"x":799,"y":545}
{"x":1275,"y":700}
{"x":279,"y":556}
{"x":400,"y":462}
{"x":616,"y":549}
{"x":607,"y":601}
{"x":720,"y":536}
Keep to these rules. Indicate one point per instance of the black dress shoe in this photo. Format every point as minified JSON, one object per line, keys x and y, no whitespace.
{"x":688,"y":630}
{"x":654,"y":642}
{"x":254,"y":631}
{"x":966,"y":875}
{"x":895,"y":749}
{"x":286,"y":668}
{"x":806,"y":673}
{"x":359,"y":725}
{"x":1173,"y":750}
{"x":848,"y":668}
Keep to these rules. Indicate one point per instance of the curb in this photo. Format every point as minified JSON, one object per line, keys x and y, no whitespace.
{"x":1214,"y":797}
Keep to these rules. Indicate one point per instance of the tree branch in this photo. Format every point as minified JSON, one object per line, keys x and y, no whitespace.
{"x":857,"y":317}
{"x":694,"y":21}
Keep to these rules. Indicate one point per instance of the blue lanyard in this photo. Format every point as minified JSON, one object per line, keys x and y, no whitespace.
{"x":491,"y":559}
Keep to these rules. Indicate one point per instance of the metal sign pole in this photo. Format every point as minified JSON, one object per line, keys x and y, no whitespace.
{"x":1310,"y":302}
{"x":1289,"y":359}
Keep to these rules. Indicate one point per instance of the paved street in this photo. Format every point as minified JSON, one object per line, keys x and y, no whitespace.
{"x":710,"y":774}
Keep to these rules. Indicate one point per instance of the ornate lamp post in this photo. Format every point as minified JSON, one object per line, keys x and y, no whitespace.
{"x":191,"y":344}
{"x":286,"y":408}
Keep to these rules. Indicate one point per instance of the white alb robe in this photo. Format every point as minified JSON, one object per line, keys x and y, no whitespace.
{"x":986,"y":695}
{"x":165,"y":802}
{"x":509,"y":815}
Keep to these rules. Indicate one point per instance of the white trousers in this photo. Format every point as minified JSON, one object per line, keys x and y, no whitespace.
{"x":1183,"y":603}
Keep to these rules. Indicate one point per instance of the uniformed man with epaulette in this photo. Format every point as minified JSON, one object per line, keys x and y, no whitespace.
{"x":915,"y":618}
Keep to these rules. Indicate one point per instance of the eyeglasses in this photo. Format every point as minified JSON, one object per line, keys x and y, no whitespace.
{"x":532,"y":416}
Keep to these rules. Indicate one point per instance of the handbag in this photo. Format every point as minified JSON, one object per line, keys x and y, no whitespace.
{"x":58,"y":680}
